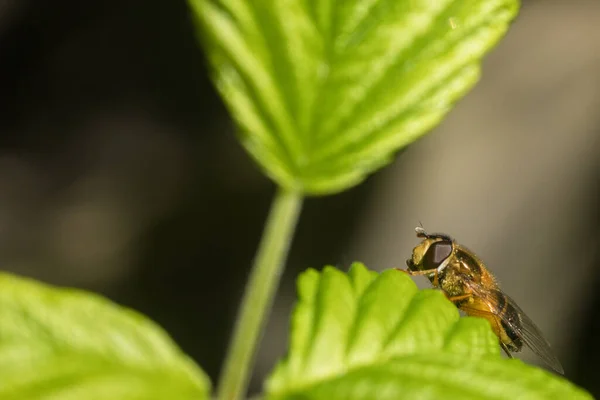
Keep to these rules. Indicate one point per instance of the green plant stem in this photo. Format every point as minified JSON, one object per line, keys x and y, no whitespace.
{"x":260,"y":292}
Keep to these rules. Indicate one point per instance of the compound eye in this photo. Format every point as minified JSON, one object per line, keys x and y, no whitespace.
{"x":436,"y":254}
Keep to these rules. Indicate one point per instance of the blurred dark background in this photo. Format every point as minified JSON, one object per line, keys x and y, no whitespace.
{"x":120,"y":173}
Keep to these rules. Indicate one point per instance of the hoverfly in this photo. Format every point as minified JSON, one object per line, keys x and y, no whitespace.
{"x":466,"y":282}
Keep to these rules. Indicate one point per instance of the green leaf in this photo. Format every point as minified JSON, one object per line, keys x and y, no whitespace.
{"x":64,"y":344}
{"x":367,"y":336}
{"x":325,"y":92}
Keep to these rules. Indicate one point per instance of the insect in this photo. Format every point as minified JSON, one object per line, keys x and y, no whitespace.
{"x":466,"y":282}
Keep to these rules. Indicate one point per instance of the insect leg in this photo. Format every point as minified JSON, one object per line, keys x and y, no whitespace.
{"x":496,"y":326}
{"x":421,"y":272}
{"x":505,"y":348}
{"x":481,"y":313}
{"x":433,"y":271}
{"x":458,"y":298}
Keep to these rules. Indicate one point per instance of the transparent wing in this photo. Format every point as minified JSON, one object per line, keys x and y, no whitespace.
{"x":524,"y":328}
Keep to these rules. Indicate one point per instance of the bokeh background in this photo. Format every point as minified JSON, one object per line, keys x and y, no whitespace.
{"x":120,"y":173}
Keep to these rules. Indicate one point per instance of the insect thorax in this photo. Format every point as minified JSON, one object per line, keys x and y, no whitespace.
{"x":451,"y":283}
